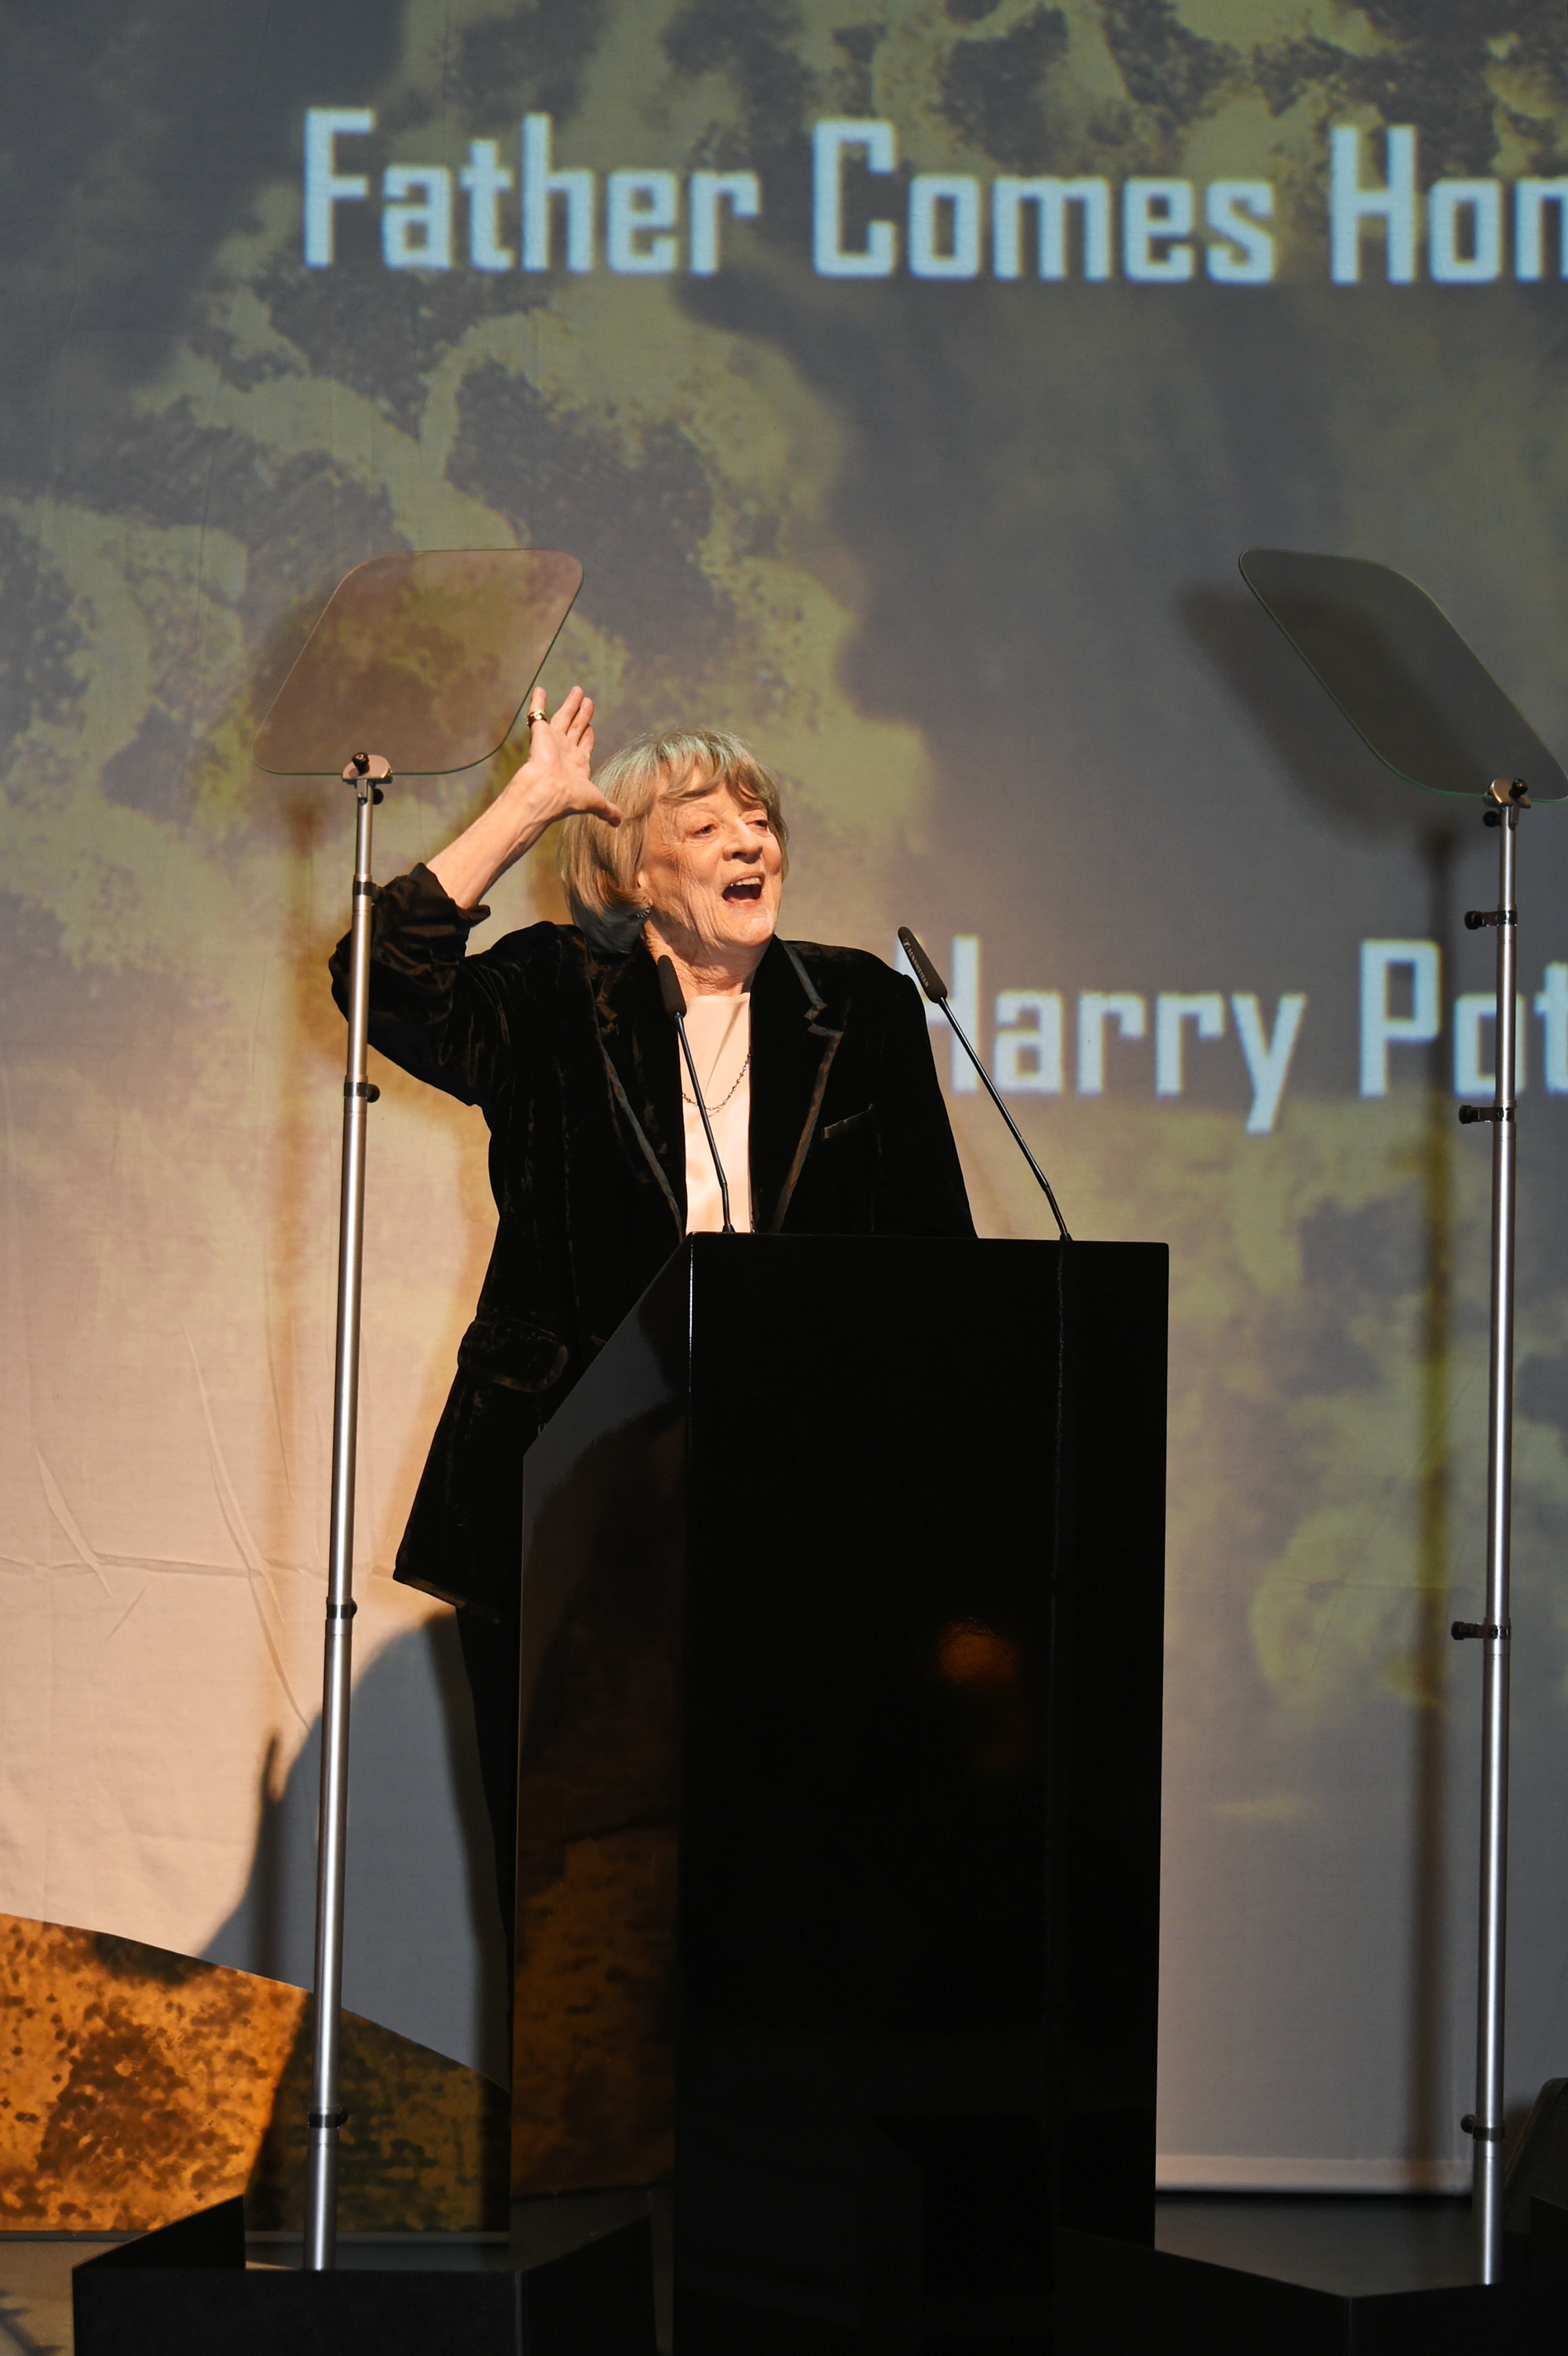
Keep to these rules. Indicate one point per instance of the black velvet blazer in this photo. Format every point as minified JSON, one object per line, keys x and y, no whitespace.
{"x":569,"y":1054}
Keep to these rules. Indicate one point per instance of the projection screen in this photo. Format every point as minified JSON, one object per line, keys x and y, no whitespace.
{"x":908,"y":385}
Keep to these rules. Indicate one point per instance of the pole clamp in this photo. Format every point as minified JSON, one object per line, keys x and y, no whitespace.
{"x":364,"y":890}
{"x":1462,"y":1629}
{"x":365,"y":1088}
{"x":330,"y":2120}
{"x":1471,"y":2125}
{"x":368,"y":772}
{"x":1475,"y":918}
{"x":341,"y":1611}
{"x":1468,"y":1113}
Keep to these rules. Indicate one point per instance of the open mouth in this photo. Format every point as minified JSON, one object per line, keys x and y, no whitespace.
{"x":747,"y":889}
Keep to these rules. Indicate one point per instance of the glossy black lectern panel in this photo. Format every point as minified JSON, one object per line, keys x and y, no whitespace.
{"x":839,"y":1790}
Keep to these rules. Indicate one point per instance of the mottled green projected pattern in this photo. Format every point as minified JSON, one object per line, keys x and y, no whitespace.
{"x":907,"y":385}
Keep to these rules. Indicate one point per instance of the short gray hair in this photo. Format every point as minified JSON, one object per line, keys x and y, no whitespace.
{"x":599,"y":864}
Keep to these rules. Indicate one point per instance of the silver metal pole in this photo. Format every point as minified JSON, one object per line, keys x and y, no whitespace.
{"x":1484,"y":2125}
{"x":367,"y":773}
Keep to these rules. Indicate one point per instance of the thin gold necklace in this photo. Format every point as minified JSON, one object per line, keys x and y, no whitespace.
{"x":723,"y":1099}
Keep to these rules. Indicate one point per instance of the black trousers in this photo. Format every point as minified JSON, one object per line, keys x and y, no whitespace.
{"x":490,"y":1659}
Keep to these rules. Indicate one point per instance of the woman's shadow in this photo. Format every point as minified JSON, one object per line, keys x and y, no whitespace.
{"x":424,"y":1953}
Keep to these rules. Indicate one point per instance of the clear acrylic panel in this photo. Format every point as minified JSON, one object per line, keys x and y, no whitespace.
{"x":426,"y":659}
{"x":1404,"y":678}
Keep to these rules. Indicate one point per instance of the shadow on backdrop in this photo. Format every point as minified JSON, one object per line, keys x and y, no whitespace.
{"x":180,"y":113}
{"x":423,"y":1950}
{"x":1321,"y":756}
{"x":1342,"y":782}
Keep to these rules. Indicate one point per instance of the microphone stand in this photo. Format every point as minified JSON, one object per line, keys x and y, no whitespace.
{"x":936,"y":989}
{"x":675,"y":1007}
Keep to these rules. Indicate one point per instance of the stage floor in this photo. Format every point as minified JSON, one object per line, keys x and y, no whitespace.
{"x":1350,"y":2245}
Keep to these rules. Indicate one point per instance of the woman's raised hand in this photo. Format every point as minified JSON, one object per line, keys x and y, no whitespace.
{"x":553,"y":782}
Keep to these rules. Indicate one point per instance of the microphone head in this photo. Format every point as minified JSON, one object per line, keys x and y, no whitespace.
{"x":670,"y":989}
{"x":930,"y":981}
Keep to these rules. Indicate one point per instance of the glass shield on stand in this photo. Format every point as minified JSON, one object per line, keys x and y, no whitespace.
{"x":1414,"y":692}
{"x":1426,"y":704}
{"x":419,"y":666}
{"x":425,"y":659}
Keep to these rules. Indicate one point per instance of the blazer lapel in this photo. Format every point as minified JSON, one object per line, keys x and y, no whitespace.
{"x":643,"y":1058}
{"x":794,"y":1037}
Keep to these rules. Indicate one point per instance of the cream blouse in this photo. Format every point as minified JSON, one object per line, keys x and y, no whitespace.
{"x":720,"y":1029}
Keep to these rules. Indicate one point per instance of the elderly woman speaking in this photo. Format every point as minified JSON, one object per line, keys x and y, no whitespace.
{"x":816,"y":1065}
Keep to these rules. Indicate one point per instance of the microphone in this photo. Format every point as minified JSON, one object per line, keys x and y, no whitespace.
{"x":675,"y":1007}
{"x":936,"y":989}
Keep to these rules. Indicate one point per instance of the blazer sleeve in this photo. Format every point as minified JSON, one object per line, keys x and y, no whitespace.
{"x":920,"y":1184}
{"x":457,"y":1021}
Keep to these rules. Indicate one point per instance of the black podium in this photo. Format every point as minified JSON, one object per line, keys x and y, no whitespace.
{"x":840,"y":1786}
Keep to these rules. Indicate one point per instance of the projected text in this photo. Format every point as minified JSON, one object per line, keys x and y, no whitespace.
{"x":526,"y":210}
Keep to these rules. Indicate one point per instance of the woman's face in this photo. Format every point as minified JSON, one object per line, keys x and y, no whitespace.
{"x":712,"y":874}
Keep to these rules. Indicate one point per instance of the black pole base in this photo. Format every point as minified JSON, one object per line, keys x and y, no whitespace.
{"x":185,"y":2291}
{"x":1114,"y":2298}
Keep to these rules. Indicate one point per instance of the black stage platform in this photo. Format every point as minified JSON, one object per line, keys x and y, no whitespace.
{"x":1319,"y":2275}
{"x":1263,"y":2275}
{"x":1350,"y":2246}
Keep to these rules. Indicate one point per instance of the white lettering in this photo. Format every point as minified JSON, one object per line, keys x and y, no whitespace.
{"x":938,"y":203}
{"x":1233,"y":210}
{"x":1126,"y":1009}
{"x":1157,"y":213}
{"x":416,"y":218}
{"x":1268,"y":1060}
{"x":325,"y":185}
{"x":1551,"y":1005}
{"x":1381,"y":1029}
{"x":541,"y":185}
{"x":710,"y":190}
{"x":485,"y":181}
{"x":1449,"y":202}
{"x":1350,"y":205}
{"x":1531,"y":198}
{"x":637,"y":205}
{"x":1050,"y":199}
{"x":1207,"y":1012}
{"x":1028,"y":1054}
{"x":830,"y":143}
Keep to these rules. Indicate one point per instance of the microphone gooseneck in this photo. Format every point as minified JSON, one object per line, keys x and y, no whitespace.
{"x":674,"y":999}
{"x":936,"y":989}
